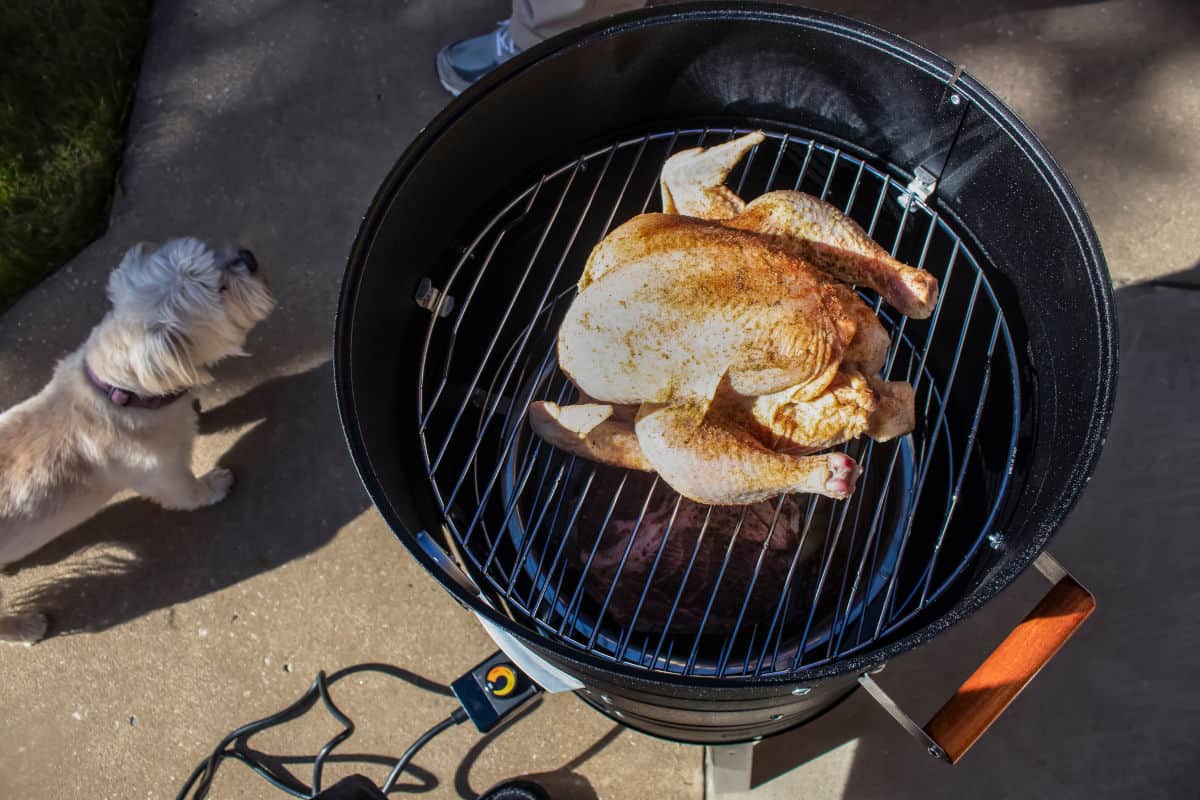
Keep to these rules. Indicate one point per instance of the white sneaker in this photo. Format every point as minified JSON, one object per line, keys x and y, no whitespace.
{"x":462,"y":63}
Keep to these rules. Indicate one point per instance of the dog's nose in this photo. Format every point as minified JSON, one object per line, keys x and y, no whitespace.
{"x":247,"y":258}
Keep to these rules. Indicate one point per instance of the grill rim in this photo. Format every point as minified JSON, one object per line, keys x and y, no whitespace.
{"x":1040,"y":528}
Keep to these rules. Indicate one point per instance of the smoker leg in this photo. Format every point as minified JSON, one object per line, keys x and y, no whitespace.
{"x":727,"y":769}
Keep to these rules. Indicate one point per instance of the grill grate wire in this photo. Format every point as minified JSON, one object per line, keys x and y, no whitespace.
{"x":513,"y":504}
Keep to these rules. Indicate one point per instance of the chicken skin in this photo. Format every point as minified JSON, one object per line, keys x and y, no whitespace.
{"x":716,"y":344}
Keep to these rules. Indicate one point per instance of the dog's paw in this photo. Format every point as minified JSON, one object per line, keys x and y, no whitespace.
{"x":23,"y":628}
{"x":219,"y":482}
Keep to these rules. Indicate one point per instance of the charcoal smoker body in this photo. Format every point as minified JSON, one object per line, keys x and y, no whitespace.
{"x":516,"y":180}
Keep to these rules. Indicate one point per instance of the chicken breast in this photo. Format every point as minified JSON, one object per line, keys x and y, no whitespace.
{"x":670,"y":305}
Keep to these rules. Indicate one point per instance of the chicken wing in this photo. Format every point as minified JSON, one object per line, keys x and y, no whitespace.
{"x":693,"y":181}
{"x":821,"y":234}
{"x":596,"y":431}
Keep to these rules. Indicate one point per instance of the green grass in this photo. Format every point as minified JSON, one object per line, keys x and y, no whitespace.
{"x":67,"y":71}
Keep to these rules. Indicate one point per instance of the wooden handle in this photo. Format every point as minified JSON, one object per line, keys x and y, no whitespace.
{"x":1011,"y":666}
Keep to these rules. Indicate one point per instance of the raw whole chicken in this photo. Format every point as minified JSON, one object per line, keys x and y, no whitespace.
{"x":719,"y":345}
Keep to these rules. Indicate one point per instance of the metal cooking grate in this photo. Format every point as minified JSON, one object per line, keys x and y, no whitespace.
{"x":616,"y":564}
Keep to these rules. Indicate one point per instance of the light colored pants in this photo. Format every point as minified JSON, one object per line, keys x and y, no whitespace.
{"x":535,"y":20}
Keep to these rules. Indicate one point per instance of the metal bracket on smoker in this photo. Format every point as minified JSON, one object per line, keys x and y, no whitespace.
{"x":451,"y":570}
{"x":944,"y":127}
{"x":889,"y":705}
{"x":431,"y":298}
{"x":921,"y":187}
{"x":552,"y":679}
{"x":1050,"y":569}
{"x":727,"y":768}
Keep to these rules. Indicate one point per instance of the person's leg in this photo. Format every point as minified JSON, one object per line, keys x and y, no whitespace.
{"x":462,"y":63}
{"x":535,"y":20}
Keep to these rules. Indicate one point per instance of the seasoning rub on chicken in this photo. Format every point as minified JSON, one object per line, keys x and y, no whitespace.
{"x":720,"y":345}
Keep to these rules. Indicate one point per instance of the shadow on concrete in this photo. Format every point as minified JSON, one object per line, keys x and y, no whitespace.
{"x":1106,"y":718}
{"x":564,"y":782}
{"x":1188,"y":280}
{"x":296,"y":488}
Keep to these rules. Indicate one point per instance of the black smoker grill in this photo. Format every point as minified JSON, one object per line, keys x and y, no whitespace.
{"x":467,"y":260}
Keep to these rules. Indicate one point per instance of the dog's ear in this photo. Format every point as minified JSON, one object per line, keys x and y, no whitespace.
{"x":132,"y":256}
{"x":119,"y":276}
{"x":163,"y":361}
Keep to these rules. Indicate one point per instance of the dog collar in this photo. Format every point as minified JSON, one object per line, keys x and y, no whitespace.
{"x":126,"y":399}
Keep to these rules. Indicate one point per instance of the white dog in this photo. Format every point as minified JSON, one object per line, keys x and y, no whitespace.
{"x":116,"y":415}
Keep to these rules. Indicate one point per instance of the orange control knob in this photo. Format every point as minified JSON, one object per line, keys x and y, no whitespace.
{"x":501,"y":680}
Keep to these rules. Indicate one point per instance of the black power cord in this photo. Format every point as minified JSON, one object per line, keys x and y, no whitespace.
{"x":488,"y":693}
{"x":457,"y":717}
{"x":200,"y":781}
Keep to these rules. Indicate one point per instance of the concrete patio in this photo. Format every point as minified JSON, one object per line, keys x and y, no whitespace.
{"x":272,"y":123}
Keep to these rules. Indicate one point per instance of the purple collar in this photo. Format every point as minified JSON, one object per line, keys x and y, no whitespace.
{"x":126,"y":399}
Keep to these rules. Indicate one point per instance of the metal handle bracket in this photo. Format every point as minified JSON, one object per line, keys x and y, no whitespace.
{"x":1015,"y":662}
